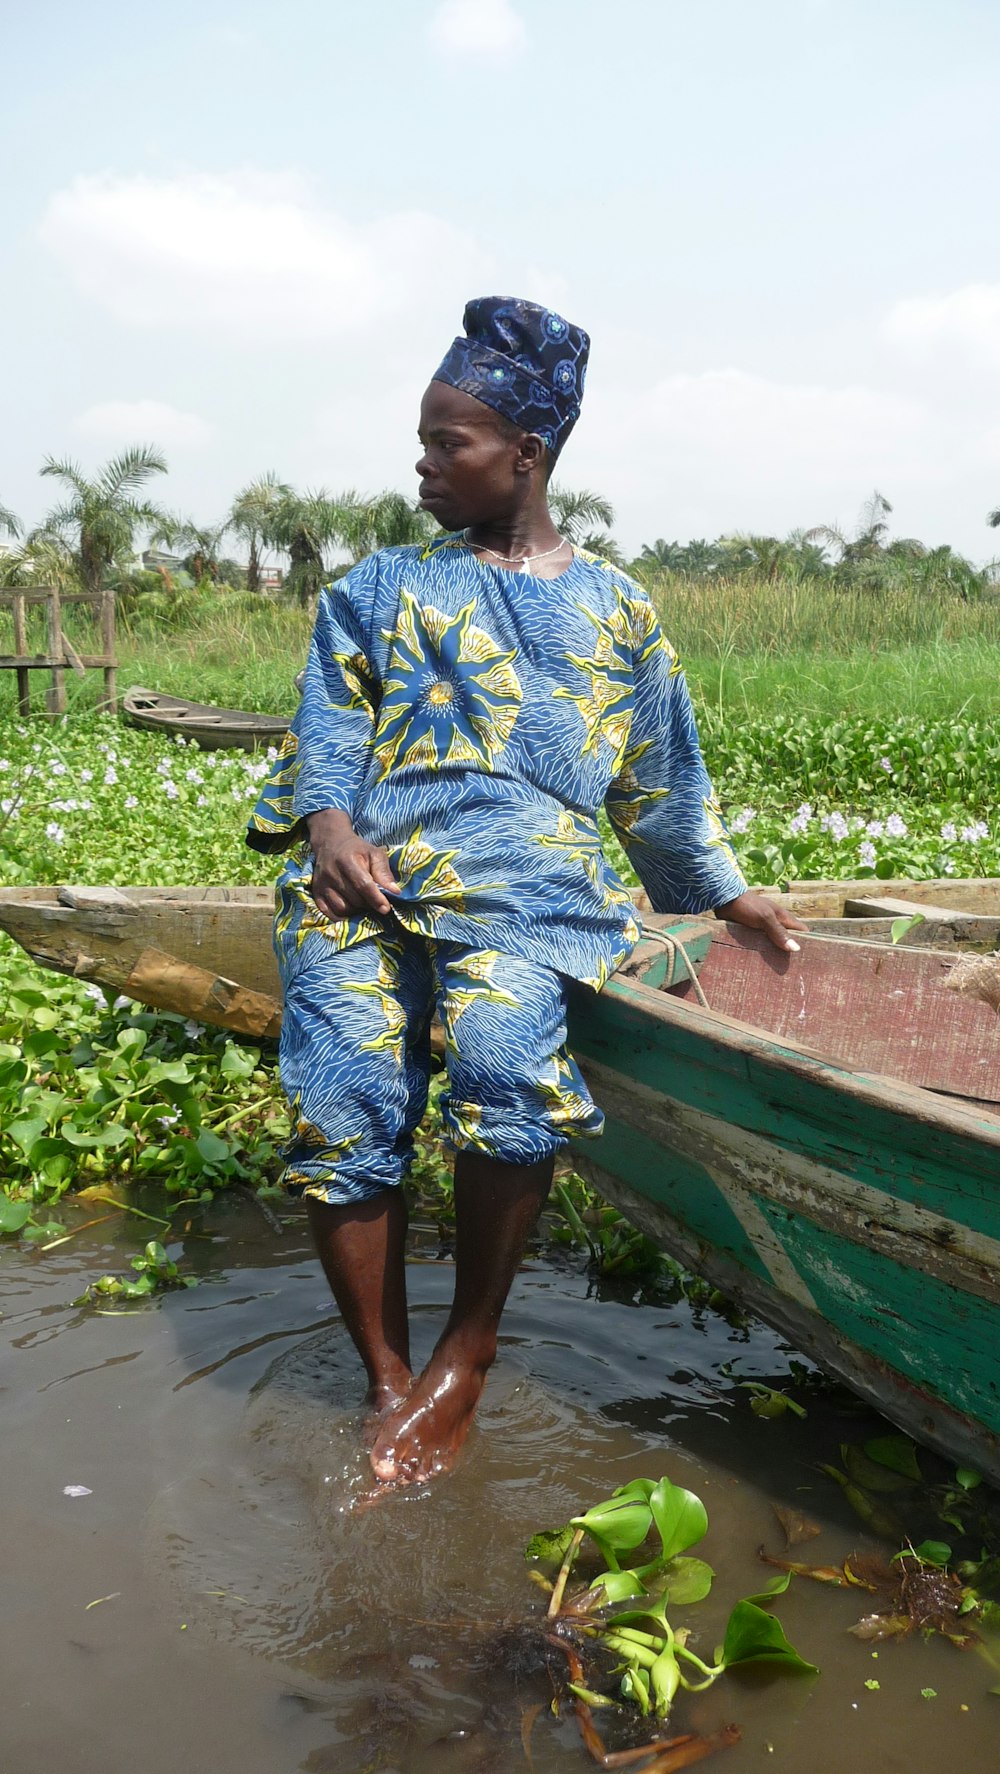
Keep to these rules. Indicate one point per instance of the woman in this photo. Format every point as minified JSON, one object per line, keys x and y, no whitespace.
{"x":468,"y":707}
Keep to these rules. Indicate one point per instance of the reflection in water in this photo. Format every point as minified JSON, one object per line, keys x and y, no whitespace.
{"x":264,"y":1622}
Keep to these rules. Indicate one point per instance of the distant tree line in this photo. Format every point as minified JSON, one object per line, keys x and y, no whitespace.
{"x":90,"y":539}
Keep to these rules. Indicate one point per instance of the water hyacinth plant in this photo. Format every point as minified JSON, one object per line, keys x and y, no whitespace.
{"x":643,"y":1535}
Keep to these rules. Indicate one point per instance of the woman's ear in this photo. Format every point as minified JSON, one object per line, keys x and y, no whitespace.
{"x":531,"y":454}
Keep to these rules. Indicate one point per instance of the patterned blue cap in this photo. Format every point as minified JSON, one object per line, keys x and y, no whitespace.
{"x":524,"y":361}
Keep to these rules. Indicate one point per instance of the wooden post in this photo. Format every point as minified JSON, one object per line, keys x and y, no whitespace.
{"x":55,"y":698}
{"x":21,"y":648}
{"x":110,"y":700}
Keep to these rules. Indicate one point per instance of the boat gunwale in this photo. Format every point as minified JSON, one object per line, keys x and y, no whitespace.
{"x":914,"y":1102}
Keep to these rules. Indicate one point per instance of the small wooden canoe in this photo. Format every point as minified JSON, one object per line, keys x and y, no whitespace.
{"x":822,"y":1142}
{"x":213,"y":729}
{"x":204,"y":951}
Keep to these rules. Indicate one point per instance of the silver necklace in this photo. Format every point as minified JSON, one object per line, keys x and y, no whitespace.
{"x":514,"y":560}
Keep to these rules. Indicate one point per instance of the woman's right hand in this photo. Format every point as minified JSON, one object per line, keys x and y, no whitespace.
{"x":349,"y":874}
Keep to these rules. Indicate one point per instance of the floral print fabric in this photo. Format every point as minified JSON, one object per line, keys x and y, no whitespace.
{"x":355,"y":1062}
{"x":473,"y":721}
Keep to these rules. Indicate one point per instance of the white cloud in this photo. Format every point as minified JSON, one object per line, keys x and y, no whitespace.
{"x":968,"y":317}
{"x":255,"y":257}
{"x":477,"y":28}
{"x":726,"y":450}
{"x":145,"y":421}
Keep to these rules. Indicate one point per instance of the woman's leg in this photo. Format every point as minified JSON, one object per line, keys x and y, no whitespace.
{"x":514,"y":1096}
{"x":354,"y":1064}
{"x":362,"y":1249}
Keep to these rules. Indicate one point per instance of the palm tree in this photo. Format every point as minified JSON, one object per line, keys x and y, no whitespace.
{"x":861,"y":556}
{"x":304,"y":526}
{"x":202,"y":546}
{"x":9,"y":524}
{"x":250,"y":518}
{"x":576,"y":513}
{"x":669,"y":555}
{"x":40,"y":560}
{"x":993,"y":518}
{"x":386,"y":521}
{"x":701,"y":557}
{"x":100,"y":518}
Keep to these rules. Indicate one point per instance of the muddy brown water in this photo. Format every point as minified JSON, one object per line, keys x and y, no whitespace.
{"x":217,"y":1604}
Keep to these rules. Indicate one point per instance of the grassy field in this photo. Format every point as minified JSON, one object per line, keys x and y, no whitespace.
{"x":753,"y":649}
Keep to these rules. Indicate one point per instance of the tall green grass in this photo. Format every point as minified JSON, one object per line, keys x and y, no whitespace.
{"x":754,"y":649}
{"x":757,"y":648}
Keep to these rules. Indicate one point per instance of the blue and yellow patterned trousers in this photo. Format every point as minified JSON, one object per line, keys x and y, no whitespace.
{"x":355,"y":1061}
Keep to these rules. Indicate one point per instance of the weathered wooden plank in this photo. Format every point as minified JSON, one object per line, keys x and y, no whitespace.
{"x":50,"y":660}
{"x":884,"y":1009}
{"x":819,"y":899}
{"x":229,"y":937}
{"x":959,"y":929}
{"x":40,"y":595}
{"x":889,"y":906}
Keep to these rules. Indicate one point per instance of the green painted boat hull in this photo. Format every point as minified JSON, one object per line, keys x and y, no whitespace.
{"x":858,"y":1214}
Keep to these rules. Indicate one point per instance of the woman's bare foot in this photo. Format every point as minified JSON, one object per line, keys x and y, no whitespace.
{"x":423,"y":1435}
{"x":383,"y":1397}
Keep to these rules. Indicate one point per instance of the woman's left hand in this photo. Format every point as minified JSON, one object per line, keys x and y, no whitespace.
{"x":760,"y":913}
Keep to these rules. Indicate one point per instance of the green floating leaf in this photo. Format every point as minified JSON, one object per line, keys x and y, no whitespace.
{"x":619,"y":1523}
{"x":616,"y":1586}
{"x":776,"y":1586}
{"x":967,"y":1478}
{"x":754,"y":1636}
{"x":688,"y":1580}
{"x":933,"y":1552}
{"x":551,"y":1545}
{"x":639,"y":1489}
{"x":94,"y":1139}
{"x":897,"y":1452}
{"x":25,"y":1133}
{"x":680,"y":1517}
{"x":13,"y":1214}
{"x":872,"y":1474}
{"x":211,"y":1148}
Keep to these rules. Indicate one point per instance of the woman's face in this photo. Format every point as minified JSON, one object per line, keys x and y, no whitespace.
{"x":475,"y":467}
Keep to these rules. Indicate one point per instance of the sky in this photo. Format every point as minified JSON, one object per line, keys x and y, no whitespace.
{"x":247,"y":232}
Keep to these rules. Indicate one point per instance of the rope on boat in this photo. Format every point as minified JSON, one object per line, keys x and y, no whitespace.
{"x":675,"y":948}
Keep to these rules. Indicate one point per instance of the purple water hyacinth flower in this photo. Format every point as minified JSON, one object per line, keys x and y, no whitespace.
{"x":949,"y":831}
{"x":866,"y":854}
{"x":886,"y":765}
{"x":895,"y":827}
{"x":971,"y":834}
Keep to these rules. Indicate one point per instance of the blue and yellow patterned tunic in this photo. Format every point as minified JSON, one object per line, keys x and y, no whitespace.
{"x":473,"y":721}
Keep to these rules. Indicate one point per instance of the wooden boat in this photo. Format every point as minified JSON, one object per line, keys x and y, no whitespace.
{"x":203,"y":951}
{"x":213,"y":729}
{"x":212,"y":941}
{"x":822,"y":1142}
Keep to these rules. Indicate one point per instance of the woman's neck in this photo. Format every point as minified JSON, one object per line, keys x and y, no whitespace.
{"x":519,"y":536}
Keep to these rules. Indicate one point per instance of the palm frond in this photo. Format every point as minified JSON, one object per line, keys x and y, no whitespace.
{"x":127,"y":472}
{"x":69,"y":471}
